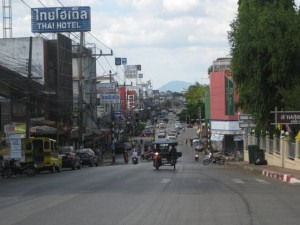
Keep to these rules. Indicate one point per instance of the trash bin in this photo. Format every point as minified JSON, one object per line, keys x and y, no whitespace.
{"x":252,"y":153}
{"x":260,"y":157}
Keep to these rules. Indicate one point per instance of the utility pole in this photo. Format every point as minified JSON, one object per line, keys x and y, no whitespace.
{"x":29,"y":90}
{"x":80,"y":93}
{"x":112,"y":124}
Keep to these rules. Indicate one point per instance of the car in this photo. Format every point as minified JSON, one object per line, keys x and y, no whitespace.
{"x":69,"y":158}
{"x":171,"y":136}
{"x":178,"y":125}
{"x":161,"y":134}
{"x":189,"y":126}
{"x":175,"y":132}
{"x":196,"y":141}
{"x":88,"y":157}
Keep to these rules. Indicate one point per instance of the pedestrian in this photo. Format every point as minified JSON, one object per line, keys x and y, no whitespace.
{"x":186,"y":141}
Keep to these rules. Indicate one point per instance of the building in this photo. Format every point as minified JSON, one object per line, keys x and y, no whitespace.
{"x":225,"y":133}
{"x":41,"y":91}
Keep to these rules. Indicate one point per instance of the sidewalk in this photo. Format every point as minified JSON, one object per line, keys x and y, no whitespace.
{"x":282,"y":174}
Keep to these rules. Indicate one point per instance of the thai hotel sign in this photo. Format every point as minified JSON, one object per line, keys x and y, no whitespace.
{"x":61,"y":19}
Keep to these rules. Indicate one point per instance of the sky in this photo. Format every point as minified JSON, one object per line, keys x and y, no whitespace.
{"x":170,"y":39}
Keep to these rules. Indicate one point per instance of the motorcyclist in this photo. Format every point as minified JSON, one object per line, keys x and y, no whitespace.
{"x":173,"y":152}
{"x":134,"y":154}
{"x":139,"y":149}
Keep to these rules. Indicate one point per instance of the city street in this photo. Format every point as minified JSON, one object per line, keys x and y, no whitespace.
{"x":127,"y":194}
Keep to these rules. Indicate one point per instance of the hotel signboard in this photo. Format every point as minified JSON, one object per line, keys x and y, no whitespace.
{"x":61,"y":19}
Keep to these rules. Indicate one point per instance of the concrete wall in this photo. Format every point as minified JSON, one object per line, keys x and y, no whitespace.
{"x":276,"y":157}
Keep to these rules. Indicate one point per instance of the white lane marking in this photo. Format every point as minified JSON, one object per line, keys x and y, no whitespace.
{"x":165,"y":181}
{"x":262,"y":181}
{"x":238,"y":181}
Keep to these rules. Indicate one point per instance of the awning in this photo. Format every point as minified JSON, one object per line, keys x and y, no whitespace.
{"x":238,"y":137}
{"x":217,"y":137}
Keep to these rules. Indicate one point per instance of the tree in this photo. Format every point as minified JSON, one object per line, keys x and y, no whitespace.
{"x":265,"y":48}
{"x":195,"y":101}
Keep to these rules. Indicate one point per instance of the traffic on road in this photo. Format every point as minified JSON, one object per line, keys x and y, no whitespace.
{"x":182,"y":190}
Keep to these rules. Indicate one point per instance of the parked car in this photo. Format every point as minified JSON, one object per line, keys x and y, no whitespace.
{"x":69,"y":158}
{"x":88,"y":157}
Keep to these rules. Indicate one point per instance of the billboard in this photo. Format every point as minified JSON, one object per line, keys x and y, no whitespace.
{"x":106,"y":88}
{"x":61,"y":19}
{"x":109,"y":98}
{"x":131,"y":72}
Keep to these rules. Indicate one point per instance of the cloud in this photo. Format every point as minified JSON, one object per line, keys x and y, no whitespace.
{"x":177,"y":6}
{"x":171,"y":39}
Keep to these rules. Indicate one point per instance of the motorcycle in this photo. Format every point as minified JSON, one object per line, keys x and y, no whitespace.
{"x":156,"y":160}
{"x":125,"y":156}
{"x":146,"y":156}
{"x":196,"y":155}
{"x":213,"y":159}
{"x":135,"y":160}
{"x":12,"y":168}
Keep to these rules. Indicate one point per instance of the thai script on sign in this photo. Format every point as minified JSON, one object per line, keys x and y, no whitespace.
{"x":60,"y":19}
{"x":288,"y":117}
{"x":61,"y":14}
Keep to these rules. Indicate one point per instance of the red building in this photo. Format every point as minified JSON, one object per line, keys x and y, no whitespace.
{"x":224,"y":125}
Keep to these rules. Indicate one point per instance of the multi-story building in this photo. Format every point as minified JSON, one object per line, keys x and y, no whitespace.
{"x":39,"y":70}
{"x":224,"y":128}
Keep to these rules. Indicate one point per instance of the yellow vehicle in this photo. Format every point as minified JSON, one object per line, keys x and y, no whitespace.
{"x":44,"y":152}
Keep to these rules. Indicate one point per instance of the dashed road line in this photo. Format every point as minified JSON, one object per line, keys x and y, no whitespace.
{"x":165,"y":181}
{"x":238,"y":181}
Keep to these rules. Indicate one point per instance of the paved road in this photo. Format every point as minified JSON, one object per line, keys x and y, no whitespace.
{"x":129,"y":194}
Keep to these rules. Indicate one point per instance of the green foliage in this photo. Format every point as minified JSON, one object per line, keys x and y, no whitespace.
{"x":265,"y":48}
{"x":195,"y":101}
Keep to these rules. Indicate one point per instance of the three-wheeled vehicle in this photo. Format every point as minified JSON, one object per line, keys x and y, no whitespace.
{"x":165,"y":153}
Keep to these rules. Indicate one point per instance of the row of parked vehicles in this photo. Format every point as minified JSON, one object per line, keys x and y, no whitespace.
{"x":41,"y":153}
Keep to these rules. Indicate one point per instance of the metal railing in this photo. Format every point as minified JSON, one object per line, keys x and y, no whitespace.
{"x":277,"y":145}
{"x":290,"y":150}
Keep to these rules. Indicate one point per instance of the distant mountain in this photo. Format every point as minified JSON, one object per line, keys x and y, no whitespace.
{"x":175,"y":86}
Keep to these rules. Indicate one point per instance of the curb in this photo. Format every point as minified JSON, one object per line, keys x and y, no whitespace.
{"x":284,"y":177}
{"x":288,"y":178}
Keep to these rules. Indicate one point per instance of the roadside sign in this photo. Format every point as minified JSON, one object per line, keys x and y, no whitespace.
{"x":288,"y":117}
{"x":247,"y":125}
{"x":243,"y":117}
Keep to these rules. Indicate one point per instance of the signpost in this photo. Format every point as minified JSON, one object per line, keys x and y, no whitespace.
{"x":246,"y":121}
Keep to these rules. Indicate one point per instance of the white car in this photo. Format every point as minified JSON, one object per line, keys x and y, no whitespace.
{"x":171,"y":136}
{"x":178,"y":125}
{"x":161,"y":134}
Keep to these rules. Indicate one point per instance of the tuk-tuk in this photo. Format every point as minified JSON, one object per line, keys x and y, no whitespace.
{"x":165,"y":153}
{"x":44,"y":152}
